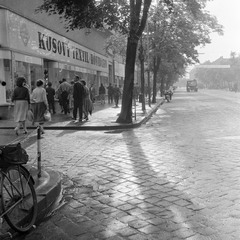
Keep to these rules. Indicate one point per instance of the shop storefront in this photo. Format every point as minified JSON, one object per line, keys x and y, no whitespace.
{"x":30,"y":50}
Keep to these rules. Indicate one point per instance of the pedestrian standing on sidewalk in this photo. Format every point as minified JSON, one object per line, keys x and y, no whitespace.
{"x":64,"y":91}
{"x":21,"y":99}
{"x":71,"y":96}
{"x":87,"y":103}
{"x":110,"y":93}
{"x":50,"y":97}
{"x":78,"y":91}
{"x":136,"y":91}
{"x":92,"y":92}
{"x":58,"y":95}
{"x":39,"y":104}
{"x":117,"y":94}
{"x":102,"y":92}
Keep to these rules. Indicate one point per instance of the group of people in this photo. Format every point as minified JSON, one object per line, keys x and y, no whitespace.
{"x":114,"y":94}
{"x":82,"y":103}
{"x":23,"y":102}
{"x":75,"y":94}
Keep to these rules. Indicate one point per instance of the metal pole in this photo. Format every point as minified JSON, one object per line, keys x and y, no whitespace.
{"x":149,"y":89}
{"x":39,"y":150}
{"x":135,"y":110}
{"x":148,"y":62}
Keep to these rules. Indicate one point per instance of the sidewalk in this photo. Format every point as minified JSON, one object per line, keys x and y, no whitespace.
{"x":48,"y":186}
{"x":103,"y":118}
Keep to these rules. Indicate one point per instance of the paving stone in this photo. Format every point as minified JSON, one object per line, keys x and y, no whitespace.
{"x":171,"y":198}
{"x":105,"y":234}
{"x":135,"y":211}
{"x":116,"y":225}
{"x":128,"y":218}
{"x":138,"y":237}
{"x":145,"y":205}
{"x":87,"y":236}
{"x":126,"y":207}
{"x":126,"y":232}
{"x":134,"y":201}
{"x":162,"y":235}
{"x":115,"y":238}
{"x":149,"y":229}
{"x":138,"y":224}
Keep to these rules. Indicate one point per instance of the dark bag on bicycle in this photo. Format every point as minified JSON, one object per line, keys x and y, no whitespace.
{"x":12,"y":154}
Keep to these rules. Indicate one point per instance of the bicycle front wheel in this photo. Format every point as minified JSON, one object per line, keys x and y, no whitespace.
{"x":19,"y":201}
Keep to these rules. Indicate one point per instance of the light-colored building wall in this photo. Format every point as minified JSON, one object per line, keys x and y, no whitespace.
{"x":24,"y":49}
{"x":26,"y":8}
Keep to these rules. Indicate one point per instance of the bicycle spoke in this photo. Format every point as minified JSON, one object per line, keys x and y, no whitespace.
{"x":18,"y":199}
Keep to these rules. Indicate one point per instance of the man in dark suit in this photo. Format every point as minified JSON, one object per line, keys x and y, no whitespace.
{"x":50,"y":97}
{"x":78,"y":91}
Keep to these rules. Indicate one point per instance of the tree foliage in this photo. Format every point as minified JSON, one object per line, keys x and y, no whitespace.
{"x":183,"y":25}
{"x":116,"y":44}
{"x":175,"y":34}
{"x":78,"y":14}
{"x":126,"y":16}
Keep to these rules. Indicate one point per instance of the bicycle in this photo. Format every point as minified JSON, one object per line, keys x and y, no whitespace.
{"x":18,"y":197}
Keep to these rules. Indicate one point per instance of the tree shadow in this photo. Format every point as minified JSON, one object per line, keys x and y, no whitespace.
{"x":122,"y":191}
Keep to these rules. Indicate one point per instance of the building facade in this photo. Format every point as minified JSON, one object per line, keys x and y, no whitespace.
{"x":37,"y":46}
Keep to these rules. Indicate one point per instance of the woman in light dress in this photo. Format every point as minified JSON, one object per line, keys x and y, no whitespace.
{"x":21,"y":100}
{"x":39,"y":104}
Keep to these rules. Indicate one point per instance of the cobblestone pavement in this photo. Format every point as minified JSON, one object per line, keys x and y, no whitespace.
{"x":177,"y":177}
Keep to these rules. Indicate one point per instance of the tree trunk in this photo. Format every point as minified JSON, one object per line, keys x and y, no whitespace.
{"x":126,"y":110}
{"x":142,"y":92}
{"x":154,"y":86}
{"x":162,"y":85}
{"x":143,"y":86}
{"x":137,"y":25}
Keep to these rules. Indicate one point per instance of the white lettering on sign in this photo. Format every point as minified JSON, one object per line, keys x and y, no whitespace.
{"x":52,"y":45}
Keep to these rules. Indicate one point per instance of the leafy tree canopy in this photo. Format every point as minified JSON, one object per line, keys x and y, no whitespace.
{"x":116,"y":44}
{"x":79,"y":14}
{"x":182,"y":29}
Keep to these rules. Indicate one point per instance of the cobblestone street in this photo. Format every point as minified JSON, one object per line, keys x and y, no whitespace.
{"x":177,"y":177}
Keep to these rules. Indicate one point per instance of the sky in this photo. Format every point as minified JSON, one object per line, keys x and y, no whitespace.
{"x":228,"y":15}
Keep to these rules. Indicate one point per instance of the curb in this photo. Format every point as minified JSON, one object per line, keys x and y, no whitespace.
{"x":48,"y":189}
{"x":47,"y":193}
{"x":102,"y":128}
{"x":114,"y":127}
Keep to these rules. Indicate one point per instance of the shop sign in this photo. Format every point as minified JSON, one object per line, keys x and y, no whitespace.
{"x":31,"y":38}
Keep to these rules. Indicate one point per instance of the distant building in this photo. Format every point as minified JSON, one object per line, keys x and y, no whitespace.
{"x":223,"y":73}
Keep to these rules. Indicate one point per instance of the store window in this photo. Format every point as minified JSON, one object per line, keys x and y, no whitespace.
{"x":5,"y":76}
{"x":31,"y":72}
